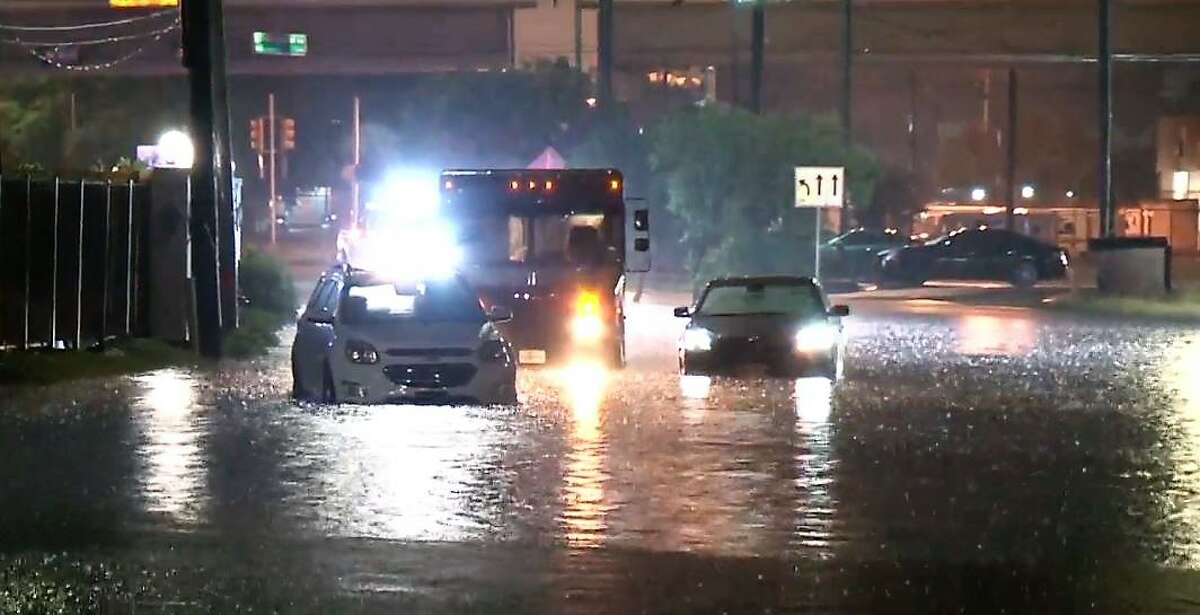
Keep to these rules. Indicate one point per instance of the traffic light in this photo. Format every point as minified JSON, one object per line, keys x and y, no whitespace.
{"x":257,"y":141}
{"x":288,"y":141}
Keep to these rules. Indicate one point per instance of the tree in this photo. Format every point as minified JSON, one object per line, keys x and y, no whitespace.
{"x":113,"y":116}
{"x":728,"y":177}
{"x":615,"y":140}
{"x":30,"y":126}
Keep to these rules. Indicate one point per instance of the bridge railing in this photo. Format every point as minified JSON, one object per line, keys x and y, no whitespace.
{"x":71,"y":261}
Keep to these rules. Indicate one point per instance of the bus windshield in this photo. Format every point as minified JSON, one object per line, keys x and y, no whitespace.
{"x":582,"y":239}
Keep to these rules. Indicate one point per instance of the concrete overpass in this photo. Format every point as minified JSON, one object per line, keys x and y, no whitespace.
{"x":401,"y":36}
{"x":925,"y":68}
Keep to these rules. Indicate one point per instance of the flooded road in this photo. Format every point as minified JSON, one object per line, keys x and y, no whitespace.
{"x":974,"y":457}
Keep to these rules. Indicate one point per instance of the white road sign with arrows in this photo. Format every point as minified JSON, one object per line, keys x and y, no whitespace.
{"x":820,"y":186}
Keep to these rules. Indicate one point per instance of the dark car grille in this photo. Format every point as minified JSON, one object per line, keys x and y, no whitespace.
{"x":432,"y":375}
{"x":750,"y":348}
{"x":428,"y":352}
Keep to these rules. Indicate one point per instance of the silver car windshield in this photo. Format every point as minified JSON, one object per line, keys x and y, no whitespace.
{"x":382,"y":302}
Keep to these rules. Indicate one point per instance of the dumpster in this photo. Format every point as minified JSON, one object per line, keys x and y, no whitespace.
{"x":1132,"y":265}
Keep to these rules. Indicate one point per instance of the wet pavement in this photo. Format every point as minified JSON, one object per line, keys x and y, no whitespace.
{"x":974,"y":459}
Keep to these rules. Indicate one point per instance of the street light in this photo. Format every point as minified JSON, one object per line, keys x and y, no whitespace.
{"x":1027,"y":191}
{"x":978,"y":194}
{"x":1180,"y":182}
{"x":175,"y":150}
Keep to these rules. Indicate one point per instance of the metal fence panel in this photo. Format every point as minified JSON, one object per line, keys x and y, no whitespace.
{"x":69,"y":258}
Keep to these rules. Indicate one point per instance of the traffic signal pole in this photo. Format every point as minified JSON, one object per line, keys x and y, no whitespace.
{"x":271,"y":143}
{"x":211,"y":208}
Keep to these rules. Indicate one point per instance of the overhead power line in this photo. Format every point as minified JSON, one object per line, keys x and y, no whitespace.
{"x":95,"y":41}
{"x":89,"y":26}
{"x":154,"y":36}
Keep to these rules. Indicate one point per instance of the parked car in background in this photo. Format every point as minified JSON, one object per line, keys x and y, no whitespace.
{"x":782,"y":323}
{"x":855,"y":255}
{"x":976,"y":254}
{"x":310,"y":209}
{"x":366,"y":338}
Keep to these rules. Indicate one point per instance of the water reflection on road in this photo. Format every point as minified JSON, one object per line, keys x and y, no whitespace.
{"x":172,"y":426}
{"x":582,"y":387}
{"x":969,"y":439}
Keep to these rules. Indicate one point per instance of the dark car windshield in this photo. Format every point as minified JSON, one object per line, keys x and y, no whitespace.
{"x":440,"y":301}
{"x":759,"y":298}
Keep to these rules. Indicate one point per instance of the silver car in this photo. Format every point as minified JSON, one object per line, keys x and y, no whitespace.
{"x":364,"y":338}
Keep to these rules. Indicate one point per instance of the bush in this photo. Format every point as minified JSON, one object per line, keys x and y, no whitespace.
{"x":268,"y":288}
{"x":267,"y":285}
{"x":256,"y":333}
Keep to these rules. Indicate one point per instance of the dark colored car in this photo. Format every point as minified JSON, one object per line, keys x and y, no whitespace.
{"x":855,"y":255}
{"x":977,"y":254}
{"x":783,"y":323}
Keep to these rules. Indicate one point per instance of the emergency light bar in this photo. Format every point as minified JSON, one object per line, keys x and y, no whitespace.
{"x":533,"y":180}
{"x":532,"y":187}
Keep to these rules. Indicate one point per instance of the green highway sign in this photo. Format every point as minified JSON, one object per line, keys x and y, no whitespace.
{"x":275,"y":44}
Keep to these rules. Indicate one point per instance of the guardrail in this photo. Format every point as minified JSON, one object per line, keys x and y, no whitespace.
{"x":71,"y":261}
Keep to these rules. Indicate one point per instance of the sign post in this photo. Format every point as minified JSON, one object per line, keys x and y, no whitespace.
{"x":818,"y":187}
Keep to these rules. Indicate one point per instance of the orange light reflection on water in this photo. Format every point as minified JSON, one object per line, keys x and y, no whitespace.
{"x":583,"y":387}
{"x":987,"y":334}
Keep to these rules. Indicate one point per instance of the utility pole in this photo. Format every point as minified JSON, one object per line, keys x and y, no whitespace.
{"x":605,"y":51}
{"x":847,"y":97}
{"x":847,"y":73}
{"x":272,"y":142}
{"x":757,"y":49}
{"x":211,"y":182}
{"x":736,"y":95}
{"x":1010,"y":173}
{"x":577,"y":9}
{"x":1104,"y":195}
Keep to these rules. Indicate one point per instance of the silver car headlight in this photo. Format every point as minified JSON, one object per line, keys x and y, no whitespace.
{"x":816,"y":337}
{"x":361,"y":353}
{"x":697,"y":340}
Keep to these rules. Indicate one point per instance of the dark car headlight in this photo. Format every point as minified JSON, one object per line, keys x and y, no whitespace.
{"x":697,"y":340}
{"x":816,"y":337}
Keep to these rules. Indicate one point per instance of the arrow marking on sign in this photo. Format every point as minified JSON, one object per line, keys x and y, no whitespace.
{"x":804,"y":184}
{"x":819,"y":181}
{"x":835,"y":183}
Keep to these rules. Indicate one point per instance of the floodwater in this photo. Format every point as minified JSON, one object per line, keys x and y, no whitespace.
{"x":973,"y":458}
